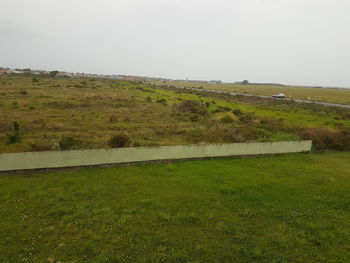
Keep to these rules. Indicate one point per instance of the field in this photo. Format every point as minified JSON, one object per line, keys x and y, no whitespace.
{"x":332,"y":95}
{"x":78,"y":113}
{"x":292,"y":208}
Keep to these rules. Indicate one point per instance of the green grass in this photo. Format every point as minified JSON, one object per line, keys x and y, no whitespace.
{"x":293,"y":208}
{"x":340,"y":96}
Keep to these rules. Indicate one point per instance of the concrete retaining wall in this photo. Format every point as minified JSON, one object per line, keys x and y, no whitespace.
{"x":58,"y":159}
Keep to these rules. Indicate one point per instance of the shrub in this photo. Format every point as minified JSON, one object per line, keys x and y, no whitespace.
{"x":162,"y":101}
{"x":39,"y":147}
{"x":194,"y":118}
{"x":237,"y":112}
{"x":246,"y":118}
{"x":68,"y":143}
{"x":190,"y":106}
{"x":53,"y":73}
{"x":323,"y":138}
{"x":16,"y":136}
{"x":35,"y":80}
{"x":23,"y":92}
{"x":119,"y":141}
{"x":227,"y":119}
{"x":221,"y":109}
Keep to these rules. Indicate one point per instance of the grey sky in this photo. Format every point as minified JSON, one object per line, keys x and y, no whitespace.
{"x":288,"y":41}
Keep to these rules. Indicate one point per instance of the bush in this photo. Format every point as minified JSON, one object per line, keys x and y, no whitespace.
{"x":162,"y":101}
{"x":194,"y":118}
{"x":35,"y":80}
{"x":326,"y":139}
{"x":237,"y":112}
{"x":190,"y":106}
{"x":68,"y":143}
{"x":39,"y":147}
{"x":227,"y":119}
{"x":221,"y":109}
{"x":53,"y":73}
{"x":16,"y":136}
{"x":246,"y":118}
{"x":23,"y":92}
{"x":119,"y":141}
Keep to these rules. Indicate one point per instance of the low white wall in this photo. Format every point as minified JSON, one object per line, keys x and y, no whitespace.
{"x":57,"y":159}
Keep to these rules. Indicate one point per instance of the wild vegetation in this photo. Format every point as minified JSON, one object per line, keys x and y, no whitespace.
{"x":64,"y":114}
{"x":332,"y":95}
{"x":293,"y":208}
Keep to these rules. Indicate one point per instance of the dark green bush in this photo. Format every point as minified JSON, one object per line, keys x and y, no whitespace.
{"x":162,"y":101}
{"x":16,"y":136}
{"x":68,"y":143}
{"x":119,"y":141}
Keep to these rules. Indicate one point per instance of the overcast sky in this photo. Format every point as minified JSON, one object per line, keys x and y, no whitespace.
{"x":286,"y":41}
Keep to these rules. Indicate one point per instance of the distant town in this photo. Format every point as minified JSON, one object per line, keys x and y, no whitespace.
{"x":64,"y":74}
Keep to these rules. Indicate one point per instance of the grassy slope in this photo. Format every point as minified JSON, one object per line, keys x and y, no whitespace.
{"x":55,"y":108}
{"x":292,"y":208}
{"x":341,"y":96}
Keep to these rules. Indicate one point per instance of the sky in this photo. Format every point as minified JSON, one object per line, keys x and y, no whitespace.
{"x":301,"y":42}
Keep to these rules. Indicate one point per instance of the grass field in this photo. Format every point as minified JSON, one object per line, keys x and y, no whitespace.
{"x":340,"y":96}
{"x":293,"y":208}
{"x":91,"y":111}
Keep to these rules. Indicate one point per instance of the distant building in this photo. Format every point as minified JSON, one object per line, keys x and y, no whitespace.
{"x":216,"y":81}
{"x":64,"y":75}
{"x":13,"y":71}
{"x":36,"y":72}
{"x":3,"y":71}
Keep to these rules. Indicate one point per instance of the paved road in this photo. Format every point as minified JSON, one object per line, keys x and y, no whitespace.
{"x":266,"y":97}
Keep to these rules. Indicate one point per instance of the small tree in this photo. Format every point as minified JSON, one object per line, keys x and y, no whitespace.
{"x":16,"y":136}
{"x":53,"y":73}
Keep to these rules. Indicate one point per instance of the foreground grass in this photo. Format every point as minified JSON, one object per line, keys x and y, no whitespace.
{"x":292,"y":208}
{"x":332,"y":95}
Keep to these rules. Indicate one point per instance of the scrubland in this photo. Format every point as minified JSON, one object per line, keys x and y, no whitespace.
{"x":331,"y":95}
{"x":55,"y":114}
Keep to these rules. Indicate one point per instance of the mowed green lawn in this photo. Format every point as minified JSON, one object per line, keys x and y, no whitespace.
{"x":292,"y":208}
